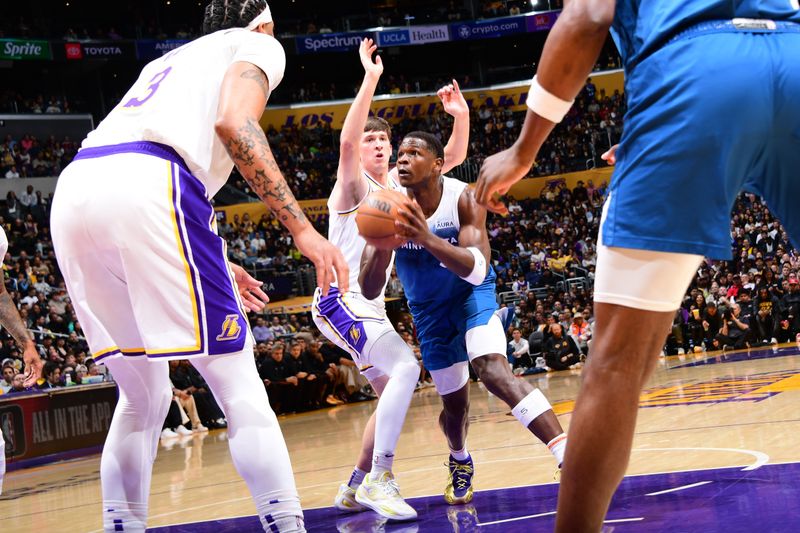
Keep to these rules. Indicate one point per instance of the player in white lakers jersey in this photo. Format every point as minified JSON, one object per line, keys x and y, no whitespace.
{"x":450,"y":286}
{"x":10,"y":319}
{"x":358,"y":324}
{"x":134,"y":234}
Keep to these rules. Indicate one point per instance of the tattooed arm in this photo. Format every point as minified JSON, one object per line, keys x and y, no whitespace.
{"x":243,"y":96}
{"x":10,"y":319}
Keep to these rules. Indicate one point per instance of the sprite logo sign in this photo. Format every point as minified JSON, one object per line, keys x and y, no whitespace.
{"x":24,"y":49}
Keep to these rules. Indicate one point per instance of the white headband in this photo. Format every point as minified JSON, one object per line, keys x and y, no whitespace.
{"x":264,"y":18}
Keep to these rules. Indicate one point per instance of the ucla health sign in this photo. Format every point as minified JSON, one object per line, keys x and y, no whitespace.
{"x":331,"y":42}
{"x":413,"y":35}
{"x":394,"y":38}
{"x":485,"y":29}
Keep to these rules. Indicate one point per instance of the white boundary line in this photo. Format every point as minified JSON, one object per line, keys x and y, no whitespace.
{"x":761,"y":459}
{"x":676,"y":489}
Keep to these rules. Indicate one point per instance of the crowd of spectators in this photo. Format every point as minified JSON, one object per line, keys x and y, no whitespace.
{"x":30,"y":157}
{"x":308,"y":156}
{"x":15,"y":102}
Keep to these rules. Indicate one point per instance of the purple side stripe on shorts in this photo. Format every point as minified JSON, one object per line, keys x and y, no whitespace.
{"x":226,"y":324}
{"x":340,"y":319}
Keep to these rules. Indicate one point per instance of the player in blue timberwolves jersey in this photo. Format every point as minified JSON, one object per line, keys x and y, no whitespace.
{"x":450,"y":288}
{"x":712,"y":88}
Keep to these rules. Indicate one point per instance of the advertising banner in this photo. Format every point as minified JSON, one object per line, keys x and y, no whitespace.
{"x":331,"y":42}
{"x":100,"y":50}
{"x":413,"y":35}
{"x":485,"y":29}
{"x":396,"y":108}
{"x":56,"y":422}
{"x":20,"y":49}
{"x":313,"y":209}
{"x":542,"y":21}
{"x":393,"y":38}
{"x":429,"y":34}
{"x":150,"y":49}
{"x":279,"y":286}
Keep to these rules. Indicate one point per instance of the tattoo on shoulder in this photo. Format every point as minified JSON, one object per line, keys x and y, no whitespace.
{"x":258,"y":76}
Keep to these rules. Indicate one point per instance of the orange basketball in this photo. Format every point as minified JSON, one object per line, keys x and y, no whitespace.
{"x":376,"y":216}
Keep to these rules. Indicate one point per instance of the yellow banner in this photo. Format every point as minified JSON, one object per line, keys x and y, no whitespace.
{"x":312,"y":208}
{"x":396,"y":108}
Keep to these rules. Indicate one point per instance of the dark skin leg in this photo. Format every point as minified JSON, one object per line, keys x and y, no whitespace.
{"x":454,"y":418}
{"x":602,"y":426}
{"x":494,"y":372}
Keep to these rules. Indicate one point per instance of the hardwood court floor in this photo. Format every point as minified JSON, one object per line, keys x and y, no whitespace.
{"x":705,"y":412}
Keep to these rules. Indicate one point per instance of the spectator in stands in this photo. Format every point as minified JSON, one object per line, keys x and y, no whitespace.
{"x":51,"y":375}
{"x":18,"y":384}
{"x":280,"y":381}
{"x":277,"y":328}
{"x":734,"y":333}
{"x":184,"y":397}
{"x":8,"y":377}
{"x":581,"y":332}
{"x":767,"y":307}
{"x":791,"y":304}
{"x":518,"y":351}
{"x":561,"y":352}
{"x":261,"y":332}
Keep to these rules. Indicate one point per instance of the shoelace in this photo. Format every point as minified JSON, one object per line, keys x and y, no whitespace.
{"x":460,"y":474}
{"x":389,"y":487}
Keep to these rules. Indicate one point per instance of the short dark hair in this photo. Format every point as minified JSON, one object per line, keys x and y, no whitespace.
{"x":225,"y":14}
{"x":433,"y":142}
{"x":378,"y":124}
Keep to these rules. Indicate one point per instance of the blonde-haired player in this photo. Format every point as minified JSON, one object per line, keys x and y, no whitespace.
{"x":358,"y":324}
{"x":134,"y":234}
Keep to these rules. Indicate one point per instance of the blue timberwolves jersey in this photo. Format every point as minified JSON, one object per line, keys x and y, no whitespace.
{"x":424,"y":278}
{"x":642,"y":26}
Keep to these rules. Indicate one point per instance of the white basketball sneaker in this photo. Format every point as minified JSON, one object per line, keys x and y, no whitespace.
{"x":346,"y":500}
{"x":382,"y":495}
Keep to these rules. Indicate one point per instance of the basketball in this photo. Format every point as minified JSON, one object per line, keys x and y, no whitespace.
{"x":376,"y":216}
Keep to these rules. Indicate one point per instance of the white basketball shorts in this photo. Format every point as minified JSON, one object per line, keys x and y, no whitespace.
{"x":134,"y":235}
{"x":353,"y":323}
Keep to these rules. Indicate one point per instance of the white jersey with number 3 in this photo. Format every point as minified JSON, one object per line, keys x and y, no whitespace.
{"x":175,"y":100}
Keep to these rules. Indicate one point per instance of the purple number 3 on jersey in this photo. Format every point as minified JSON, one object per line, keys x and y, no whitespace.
{"x":151,"y":89}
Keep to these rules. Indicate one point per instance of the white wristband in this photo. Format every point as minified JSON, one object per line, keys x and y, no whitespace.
{"x":546,"y":104}
{"x":478,"y":273}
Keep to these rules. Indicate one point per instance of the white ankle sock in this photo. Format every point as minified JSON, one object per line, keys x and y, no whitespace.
{"x":356,"y":478}
{"x":279,"y":511}
{"x":124,"y":516}
{"x":381,"y":462}
{"x":460,"y":455}
{"x":557,"y":447}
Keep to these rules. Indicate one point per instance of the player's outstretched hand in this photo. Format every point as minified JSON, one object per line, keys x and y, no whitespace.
{"x":610,"y":157}
{"x":253,"y":298}
{"x":326,"y":257}
{"x":33,"y":365}
{"x":453,"y":100}
{"x":416,"y":229}
{"x":365,"y":52}
{"x":498,"y":173}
